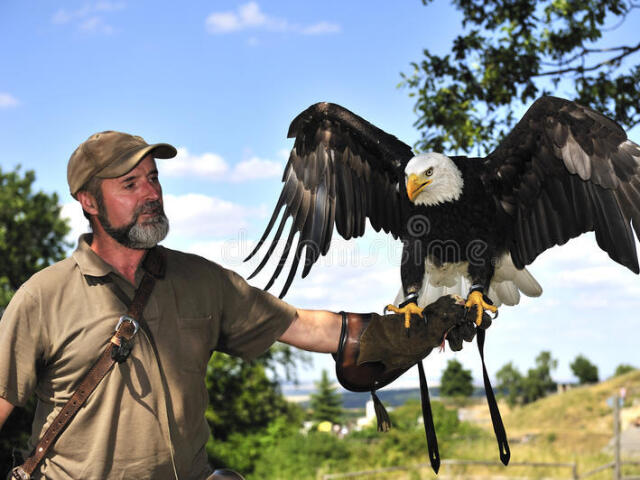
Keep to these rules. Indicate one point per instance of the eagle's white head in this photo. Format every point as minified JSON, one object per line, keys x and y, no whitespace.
{"x":432,"y":178}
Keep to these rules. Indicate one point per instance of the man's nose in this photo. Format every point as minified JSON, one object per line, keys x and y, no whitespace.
{"x":152,"y":191}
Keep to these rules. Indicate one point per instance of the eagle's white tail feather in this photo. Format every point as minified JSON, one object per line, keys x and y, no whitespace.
{"x":452,"y":279}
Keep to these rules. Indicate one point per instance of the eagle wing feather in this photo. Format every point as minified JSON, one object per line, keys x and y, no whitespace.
{"x":341,"y":171}
{"x":564,"y":170}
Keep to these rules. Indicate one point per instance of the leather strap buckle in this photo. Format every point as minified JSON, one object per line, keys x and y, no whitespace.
{"x":127,"y":318}
{"x":19,"y":474}
{"x":122,"y":346}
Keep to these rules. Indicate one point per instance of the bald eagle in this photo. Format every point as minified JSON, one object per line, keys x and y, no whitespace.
{"x":468,"y":225}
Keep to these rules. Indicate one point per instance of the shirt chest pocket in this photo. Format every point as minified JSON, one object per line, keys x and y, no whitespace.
{"x":194,"y":342}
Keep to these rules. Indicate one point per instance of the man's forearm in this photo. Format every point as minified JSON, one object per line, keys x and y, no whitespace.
{"x":314,"y":330}
{"x":5,"y":410}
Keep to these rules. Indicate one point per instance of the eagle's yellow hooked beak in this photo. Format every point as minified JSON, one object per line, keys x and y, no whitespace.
{"x":415,"y":184}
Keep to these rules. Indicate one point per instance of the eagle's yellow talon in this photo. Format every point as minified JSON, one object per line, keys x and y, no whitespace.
{"x":476,"y":299}
{"x":407,"y":310}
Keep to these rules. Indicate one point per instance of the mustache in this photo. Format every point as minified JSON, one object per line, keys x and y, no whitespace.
{"x":149,"y":208}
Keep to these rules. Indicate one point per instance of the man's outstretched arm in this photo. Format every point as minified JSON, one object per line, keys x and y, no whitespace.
{"x":314,"y":330}
{"x":5,"y":409}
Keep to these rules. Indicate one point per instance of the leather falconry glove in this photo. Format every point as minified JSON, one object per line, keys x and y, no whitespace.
{"x":375,"y":350}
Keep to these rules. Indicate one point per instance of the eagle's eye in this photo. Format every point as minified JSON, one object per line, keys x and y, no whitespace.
{"x":429,"y":171}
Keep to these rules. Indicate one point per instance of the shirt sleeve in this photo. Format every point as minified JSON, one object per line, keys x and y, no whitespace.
{"x":252,"y":319}
{"x":21,"y":348}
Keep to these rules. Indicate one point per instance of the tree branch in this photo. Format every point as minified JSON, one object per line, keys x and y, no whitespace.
{"x":626,"y":51}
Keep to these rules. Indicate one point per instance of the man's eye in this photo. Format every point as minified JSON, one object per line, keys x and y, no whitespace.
{"x":129,"y":186}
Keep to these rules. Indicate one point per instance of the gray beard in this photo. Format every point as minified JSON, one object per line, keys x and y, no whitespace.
{"x":136,"y":235}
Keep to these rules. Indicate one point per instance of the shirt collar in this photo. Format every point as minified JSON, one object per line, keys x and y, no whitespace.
{"x":89,"y":262}
{"x":92,"y":265}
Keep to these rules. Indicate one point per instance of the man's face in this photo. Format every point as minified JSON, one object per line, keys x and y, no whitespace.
{"x":130,"y":209}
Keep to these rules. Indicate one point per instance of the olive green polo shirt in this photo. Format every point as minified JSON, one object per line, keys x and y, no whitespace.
{"x":59,"y":322}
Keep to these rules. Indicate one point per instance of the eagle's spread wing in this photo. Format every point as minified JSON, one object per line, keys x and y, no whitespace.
{"x":564,"y":170}
{"x":341,"y":170}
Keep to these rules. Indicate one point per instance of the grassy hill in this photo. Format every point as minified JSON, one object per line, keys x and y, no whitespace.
{"x":574,"y":426}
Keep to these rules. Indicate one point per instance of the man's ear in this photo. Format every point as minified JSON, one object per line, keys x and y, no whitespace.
{"x":87,"y":202}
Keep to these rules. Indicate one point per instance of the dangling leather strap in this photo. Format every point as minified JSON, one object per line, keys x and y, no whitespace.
{"x":117,"y":350}
{"x":496,"y":419}
{"x":427,"y":416}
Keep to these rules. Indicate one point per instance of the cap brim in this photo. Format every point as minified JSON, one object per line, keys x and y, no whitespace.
{"x":129,"y":161}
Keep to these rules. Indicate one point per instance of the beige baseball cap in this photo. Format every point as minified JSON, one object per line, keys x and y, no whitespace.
{"x":109,"y":155}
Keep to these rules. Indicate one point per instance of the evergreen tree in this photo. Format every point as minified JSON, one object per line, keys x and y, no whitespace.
{"x":584,"y":370}
{"x":456,"y":381}
{"x":326,"y":402}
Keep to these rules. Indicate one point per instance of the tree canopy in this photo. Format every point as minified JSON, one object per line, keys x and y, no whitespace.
{"x":584,"y":370}
{"x":623,"y":368}
{"x":456,"y":381}
{"x":510,"y":383}
{"x":513,"y":51}
{"x":31,"y":231}
{"x":526,"y":389}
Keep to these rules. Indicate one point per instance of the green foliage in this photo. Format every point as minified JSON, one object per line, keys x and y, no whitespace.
{"x":247,"y":411}
{"x":31,"y":231}
{"x":326,"y":402}
{"x":242,"y":398}
{"x":623,"y":368}
{"x":508,"y":52}
{"x":510,"y":383}
{"x":584,"y":370}
{"x":456,"y":381}
{"x":243,"y":451}
{"x":537,"y":384}
{"x":300,"y":456}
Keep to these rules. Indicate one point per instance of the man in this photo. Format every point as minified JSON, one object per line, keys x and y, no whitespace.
{"x":146,"y":418}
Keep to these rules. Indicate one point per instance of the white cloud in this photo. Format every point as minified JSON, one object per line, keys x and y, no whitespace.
{"x":212,"y":166}
{"x":207,"y":165}
{"x":90,"y":18}
{"x":7,"y":100}
{"x":321,"y":28}
{"x":202,"y":216}
{"x":223,"y":22}
{"x":95,"y":24}
{"x":256,"y":168}
{"x":249,"y":16}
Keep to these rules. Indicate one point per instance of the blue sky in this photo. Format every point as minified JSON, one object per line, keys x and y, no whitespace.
{"x":221,"y":80}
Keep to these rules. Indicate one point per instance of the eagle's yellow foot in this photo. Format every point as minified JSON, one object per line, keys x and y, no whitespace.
{"x":408,"y":310}
{"x":476,"y":299}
